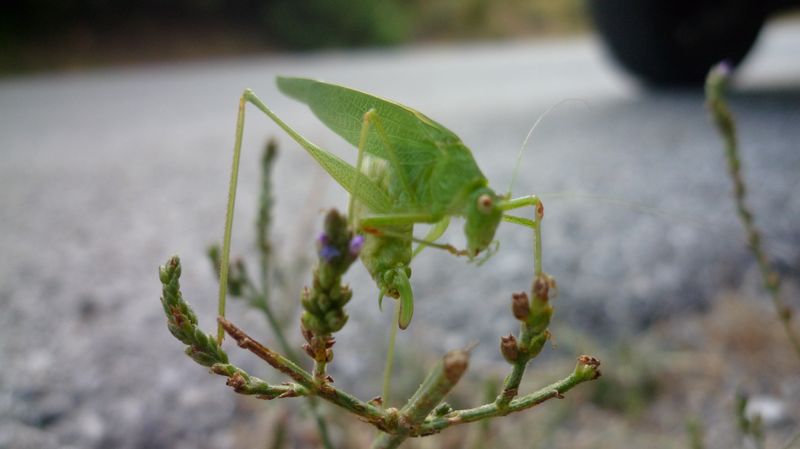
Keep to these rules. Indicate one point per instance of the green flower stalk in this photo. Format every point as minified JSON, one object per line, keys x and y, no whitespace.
{"x":324,"y":302}
{"x":202,"y":347}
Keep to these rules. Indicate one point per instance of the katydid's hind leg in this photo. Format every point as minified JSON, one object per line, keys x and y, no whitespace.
{"x":372,"y":117}
{"x":535,"y":224}
{"x":362,"y":145}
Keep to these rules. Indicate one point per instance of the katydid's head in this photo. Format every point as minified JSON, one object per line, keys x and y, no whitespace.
{"x":482,"y":215}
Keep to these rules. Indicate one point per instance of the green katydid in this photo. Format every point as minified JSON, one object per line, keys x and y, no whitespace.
{"x":410,"y":170}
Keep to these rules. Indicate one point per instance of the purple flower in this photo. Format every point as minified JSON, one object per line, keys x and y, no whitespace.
{"x":322,"y":240}
{"x":355,"y":245}
{"x":328,"y":252}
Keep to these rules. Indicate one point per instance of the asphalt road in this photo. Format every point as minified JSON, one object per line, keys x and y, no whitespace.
{"x":103,"y":175}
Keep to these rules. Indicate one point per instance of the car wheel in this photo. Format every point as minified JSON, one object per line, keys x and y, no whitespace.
{"x":675,"y":42}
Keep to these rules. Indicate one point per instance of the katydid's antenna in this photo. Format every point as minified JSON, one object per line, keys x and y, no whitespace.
{"x":530,"y":133}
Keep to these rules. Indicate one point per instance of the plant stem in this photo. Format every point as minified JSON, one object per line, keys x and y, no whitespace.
{"x":387,"y":370}
{"x":444,"y":376}
{"x":262,"y":301}
{"x":326,"y":391}
{"x":586,"y":370}
{"x":511,"y":383}
{"x":723,"y":119}
{"x":319,"y":370}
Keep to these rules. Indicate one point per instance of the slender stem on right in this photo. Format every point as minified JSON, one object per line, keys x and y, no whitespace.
{"x":723,"y":118}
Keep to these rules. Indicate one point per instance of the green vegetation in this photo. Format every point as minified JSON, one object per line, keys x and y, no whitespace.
{"x":49,"y":34}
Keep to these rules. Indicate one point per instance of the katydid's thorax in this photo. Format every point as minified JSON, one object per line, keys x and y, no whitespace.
{"x":437,"y":186}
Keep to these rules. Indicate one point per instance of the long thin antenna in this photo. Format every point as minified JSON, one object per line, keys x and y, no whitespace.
{"x":530,"y":133}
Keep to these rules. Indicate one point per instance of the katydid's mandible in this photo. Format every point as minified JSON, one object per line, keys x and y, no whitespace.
{"x":409,"y":170}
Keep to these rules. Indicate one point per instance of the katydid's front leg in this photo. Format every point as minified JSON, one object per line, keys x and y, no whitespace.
{"x":535,"y":224}
{"x":436,"y":231}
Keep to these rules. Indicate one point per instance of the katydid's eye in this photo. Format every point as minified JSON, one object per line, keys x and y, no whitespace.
{"x":485,"y":203}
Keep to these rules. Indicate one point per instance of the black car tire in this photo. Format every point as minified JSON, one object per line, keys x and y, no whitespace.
{"x":675,"y":42}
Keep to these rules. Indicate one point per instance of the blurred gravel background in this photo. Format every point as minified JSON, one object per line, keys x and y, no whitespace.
{"x":104,"y":175}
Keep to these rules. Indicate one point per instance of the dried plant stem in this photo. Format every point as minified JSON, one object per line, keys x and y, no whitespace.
{"x":723,"y":119}
{"x":366,"y":411}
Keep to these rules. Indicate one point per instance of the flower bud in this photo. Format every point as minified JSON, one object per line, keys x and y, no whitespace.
{"x":509,"y":349}
{"x":312,"y":323}
{"x":520,"y":306}
{"x":541,"y":287}
{"x":588,"y":367}
{"x":356,"y":243}
{"x":335,"y":320}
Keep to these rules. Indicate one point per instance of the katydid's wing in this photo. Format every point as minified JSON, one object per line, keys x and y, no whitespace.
{"x":342,"y":109}
{"x":435,"y":168}
{"x":408,"y":140}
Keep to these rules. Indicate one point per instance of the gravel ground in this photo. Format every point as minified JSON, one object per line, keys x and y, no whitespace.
{"x":103,"y":175}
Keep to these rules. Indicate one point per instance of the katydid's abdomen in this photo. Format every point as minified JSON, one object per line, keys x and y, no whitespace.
{"x":386,"y":253}
{"x":383,"y":256}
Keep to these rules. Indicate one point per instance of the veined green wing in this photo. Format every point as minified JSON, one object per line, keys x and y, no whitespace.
{"x":425,"y":150}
